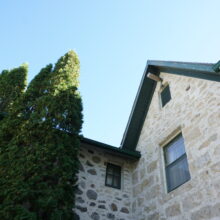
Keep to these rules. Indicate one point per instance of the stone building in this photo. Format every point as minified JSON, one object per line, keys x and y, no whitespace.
{"x":168,"y":164}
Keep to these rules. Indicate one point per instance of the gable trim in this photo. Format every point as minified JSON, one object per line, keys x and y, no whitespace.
{"x":147,"y":87}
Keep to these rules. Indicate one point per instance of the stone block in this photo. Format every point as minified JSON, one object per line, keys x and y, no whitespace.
{"x":92,"y":171}
{"x":150,"y":207}
{"x":96,"y":159}
{"x":209,"y":141}
{"x":147,"y":183}
{"x":152,"y":192}
{"x":203,"y":213}
{"x":91,"y":194}
{"x":135,"y":177}
{"x":154,"y":216}
{"x":152,"y":166}
{"x":95,"y":216}
{"x":216,"y":169}
{"x":142,"y":173}
{"x":137,"y":190}
{"x":191,"y":201}
{"x":216,"y":210}
{"x":173,"y":210}
{"x":124,"y":210}
{"x":114,"y":207}
{"x":82,"y":209}
{"x":192,"y":133}
{"x":140,"y":202}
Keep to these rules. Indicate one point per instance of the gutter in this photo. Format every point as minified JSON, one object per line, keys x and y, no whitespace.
{"x":125,"y":153}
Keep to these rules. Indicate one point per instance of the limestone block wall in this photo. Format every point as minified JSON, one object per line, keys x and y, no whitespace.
{"x":195,"y":111}
{"x":94,"y":200}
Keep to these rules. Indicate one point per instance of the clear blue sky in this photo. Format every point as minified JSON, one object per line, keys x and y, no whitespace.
{"x":113,"y":39}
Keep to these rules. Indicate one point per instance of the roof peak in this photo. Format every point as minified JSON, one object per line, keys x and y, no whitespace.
{"x":206,"y":71}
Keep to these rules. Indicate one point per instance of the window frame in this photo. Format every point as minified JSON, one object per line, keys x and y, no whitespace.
{"x":182,"y":157}
{"x":165,"y":86}
{"x":116,"y":174}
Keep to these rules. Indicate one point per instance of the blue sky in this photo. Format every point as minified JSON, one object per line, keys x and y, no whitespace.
{"x":113,"y":39}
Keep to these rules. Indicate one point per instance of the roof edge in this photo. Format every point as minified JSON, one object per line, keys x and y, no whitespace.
{"x":126,"y":153}
{"x":133,"y":106}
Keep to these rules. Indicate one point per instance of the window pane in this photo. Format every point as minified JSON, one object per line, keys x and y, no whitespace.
{"x":110,"y":169}
{"x":174,"y":150}
{"x":113,"y":176}
{"x":109,"y":180}
{"x":117,"y":171}
{"x":165,"y":96}
{"x":177,"y":173}
{"x":116,"y":182}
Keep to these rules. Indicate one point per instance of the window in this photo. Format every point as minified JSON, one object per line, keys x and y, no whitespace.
{"x":113,"y":176}
{"x":176,"y":165}
{"x":165,"y":95}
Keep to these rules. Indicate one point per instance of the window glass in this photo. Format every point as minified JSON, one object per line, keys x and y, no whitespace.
{"x":113,"y":176}
{"x":116,"y":182}
{"x":176,"y":165}
{"x":178,"y":173}
{"x":109,"y":179}
{"x":174,"y":150}
{"x":165,"y":95}
{"x":110,"y":170}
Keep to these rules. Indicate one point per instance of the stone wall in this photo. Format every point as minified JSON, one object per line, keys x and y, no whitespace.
{"x":195,"y":111}
{"x":94,"y":200}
